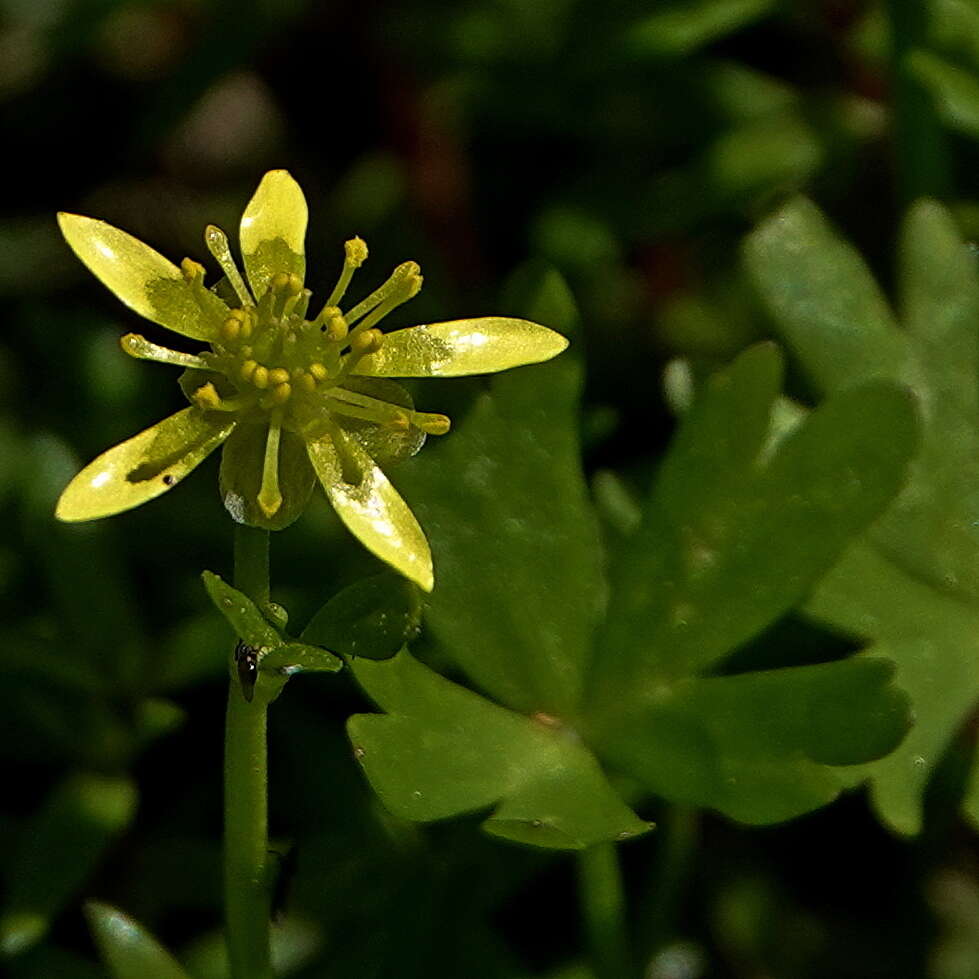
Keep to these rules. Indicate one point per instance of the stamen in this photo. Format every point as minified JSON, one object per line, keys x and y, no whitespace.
{"x":282,"y":288}
{"x":232,"y":327}
{"x":393,"y":284}
{"x":280,"y":394}
{"x":431,"y":424}
{"x":358,"y":405}
{"x":302,"y":304}
{"x":355,"y":254}
{"x":278,"y":375}
{"x":217,"y":245}
{"x":192,"y":271}
{"x":260,"y":377}
{"x":295,"y":294}
{"x":380,"y":413}
{"x":360,"y":346}
{"x":142,"y":349}
{"x":269,"y":496}
{"x":334,"y":325}
{"x":410,"y":288}
{"x":206,"y":398}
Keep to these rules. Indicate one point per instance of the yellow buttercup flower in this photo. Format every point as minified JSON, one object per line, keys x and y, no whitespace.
{"x":294,"y":397}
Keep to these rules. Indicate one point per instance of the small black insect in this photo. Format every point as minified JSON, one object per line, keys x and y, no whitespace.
{"x":246,"y":659}
{"x":168,"y":480}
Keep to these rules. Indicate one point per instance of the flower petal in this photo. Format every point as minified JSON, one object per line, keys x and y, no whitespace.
{"x":371,"y":509}
{"x":241,"y":477}
{"x":142,"y":278}
{"x":477,"y":346}
{"x":273,"y":230}
{"x":144,"y":466}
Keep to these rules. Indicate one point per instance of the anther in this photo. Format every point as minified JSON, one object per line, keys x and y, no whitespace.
{"x":355,"y":252}
{"x":260,"y":377}
{"x":431,"y":424}
{"x":206,"y":397}
{"x":217,"y":244}
{"x":278,"y":375}
{"x":306,"y":381}
{"x":334,"y":325}
{"x":231,"y":329}
{"x":318,"y":371}
{"x":192,"y":271}
{"x":394,"y":285}
{"x":281,"y":393}
{"x":368,"y":342}
{"x":248,"y":369}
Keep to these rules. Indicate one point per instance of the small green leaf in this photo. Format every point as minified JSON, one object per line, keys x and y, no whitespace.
{"x":127,"y":948}
{"x":766,"y":746}
{"x":240,"y":477}
{"x":273,"y":231}
{"x":142,"y":278}
{"x":372,"y":618}
{"x":299,"y":657}
{"x":241,"y":613}
{"x":57,"y":852}
{"x":143,"y":467}
{"x":824,"y":298}
{"x":441,"y":750}
{"x":275,"y":658}
{"x":370,"y":507}
{"x":460,"y":347}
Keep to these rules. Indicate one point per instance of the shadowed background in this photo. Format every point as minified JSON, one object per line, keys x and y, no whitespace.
{"x":631,"y":146}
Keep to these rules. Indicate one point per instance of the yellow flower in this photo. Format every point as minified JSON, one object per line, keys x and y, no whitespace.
{"x":293,"y":399}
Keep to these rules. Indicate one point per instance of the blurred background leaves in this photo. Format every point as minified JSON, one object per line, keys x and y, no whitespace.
{"x":631,"y":146}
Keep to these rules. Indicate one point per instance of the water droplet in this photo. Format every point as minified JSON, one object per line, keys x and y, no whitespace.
{"x":359,"y":752}
{"x":536,"y":823}
{"x":918,"y":761}
{"x":416,"y":794}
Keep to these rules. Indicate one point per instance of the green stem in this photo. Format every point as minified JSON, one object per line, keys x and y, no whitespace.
{"x":920,"y":147}
{"x":602,"y":899}
{"x":677,"y":836}
{"x":246,"y":871}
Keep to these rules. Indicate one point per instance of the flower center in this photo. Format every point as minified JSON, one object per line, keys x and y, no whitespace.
{"x":268,"y":361}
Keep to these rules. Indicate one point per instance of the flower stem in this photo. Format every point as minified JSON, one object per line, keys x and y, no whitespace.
{"x":246,"y":871}
{"x":603,"y":911}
